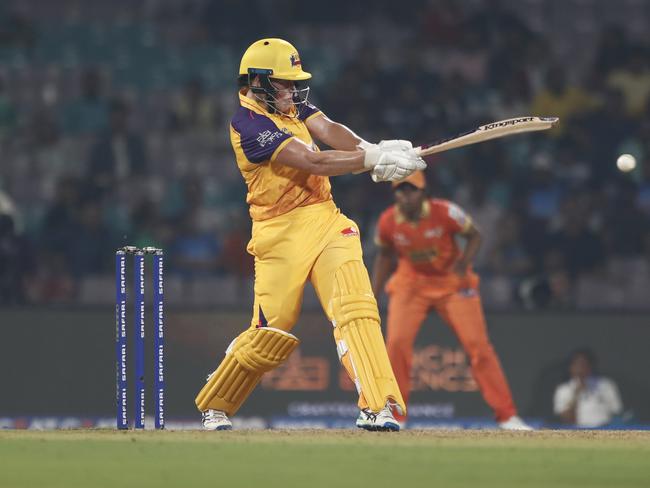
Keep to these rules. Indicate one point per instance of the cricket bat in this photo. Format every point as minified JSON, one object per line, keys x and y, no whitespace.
{"x":486,"y":132}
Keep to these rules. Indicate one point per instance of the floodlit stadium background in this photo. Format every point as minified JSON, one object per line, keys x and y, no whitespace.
{"x":113,"y":131}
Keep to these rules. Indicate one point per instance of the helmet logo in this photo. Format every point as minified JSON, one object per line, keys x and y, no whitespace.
{"x":295,"y":60}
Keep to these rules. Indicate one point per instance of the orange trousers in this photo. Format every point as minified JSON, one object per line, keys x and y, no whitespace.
{"x":464,"y":314}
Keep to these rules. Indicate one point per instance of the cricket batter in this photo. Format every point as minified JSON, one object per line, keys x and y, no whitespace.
{"x":300,"y":235}
{"x":433,"y":273}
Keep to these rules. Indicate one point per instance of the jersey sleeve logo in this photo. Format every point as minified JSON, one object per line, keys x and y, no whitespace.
{"x":349,"y":232}
{"x":267,"y":136}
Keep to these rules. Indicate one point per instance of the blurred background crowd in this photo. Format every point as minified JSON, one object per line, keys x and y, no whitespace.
{"x":114,"y":130}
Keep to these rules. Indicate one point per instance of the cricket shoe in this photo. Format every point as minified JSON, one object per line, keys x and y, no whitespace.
{"x":515,"y":423}
{"x":380,"y":421}
{"x":215,"y":420}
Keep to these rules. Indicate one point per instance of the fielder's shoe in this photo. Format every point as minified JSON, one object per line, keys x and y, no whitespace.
{"x":514,"y":423}
{"x":380,"y":421}
{"x":215,"y":420}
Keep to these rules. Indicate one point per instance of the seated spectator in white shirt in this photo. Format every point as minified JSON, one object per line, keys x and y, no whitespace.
{"x":586,"y":400}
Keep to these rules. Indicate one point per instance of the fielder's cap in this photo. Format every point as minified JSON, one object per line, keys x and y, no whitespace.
{"x":416,"y":179}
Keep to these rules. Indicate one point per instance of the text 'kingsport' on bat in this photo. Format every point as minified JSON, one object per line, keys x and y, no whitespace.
{"x":489,"y":131}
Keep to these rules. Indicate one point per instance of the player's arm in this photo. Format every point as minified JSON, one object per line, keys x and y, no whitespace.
{"x":382,"y":268}
{"x":338,"y":136}
{"x":334,"y":134}
{"x":473,"y":238}
{"x":385,"y":256}
{"x":385,"y":165}
{"x":261,"y":140}
{"x":299,"y":155}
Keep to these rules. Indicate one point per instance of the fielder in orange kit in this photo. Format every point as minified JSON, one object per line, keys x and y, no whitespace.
{"x":434,"y":273}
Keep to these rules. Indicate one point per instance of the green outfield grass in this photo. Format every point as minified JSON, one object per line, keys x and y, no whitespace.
{"x":332,"y":459}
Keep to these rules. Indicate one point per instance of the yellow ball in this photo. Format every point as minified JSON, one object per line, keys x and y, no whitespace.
{"x":626,"y":163}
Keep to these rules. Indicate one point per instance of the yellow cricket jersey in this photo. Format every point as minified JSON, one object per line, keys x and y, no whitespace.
{"x":257,"y":137}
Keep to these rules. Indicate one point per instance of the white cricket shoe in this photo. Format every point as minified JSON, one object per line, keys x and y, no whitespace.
{"x":380,"y":421}
{"x":215,"y":420}
{"x":514,"y":423}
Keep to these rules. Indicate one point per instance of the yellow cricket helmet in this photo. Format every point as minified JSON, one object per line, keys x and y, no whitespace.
{"x":275,"y":58}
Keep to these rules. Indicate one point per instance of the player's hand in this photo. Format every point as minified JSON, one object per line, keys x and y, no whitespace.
{"x":461,"y":269}
{"x":392,"y":165}
{"x":396,"y":166}
{"x":395,"y":145}
{"x":402,"y":145}
{"x":391,"y":145}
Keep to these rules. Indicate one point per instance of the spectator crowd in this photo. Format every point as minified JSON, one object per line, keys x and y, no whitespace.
{"x":114,"y":131}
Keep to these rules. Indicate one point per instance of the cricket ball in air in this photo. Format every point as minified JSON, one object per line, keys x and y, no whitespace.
{"x":626,"y":163}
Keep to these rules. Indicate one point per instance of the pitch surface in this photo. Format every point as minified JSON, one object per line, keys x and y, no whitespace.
{"x":311,"y":459}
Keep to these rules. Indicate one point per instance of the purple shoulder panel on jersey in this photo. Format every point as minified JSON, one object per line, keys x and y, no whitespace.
{"x":260,"y":137}
{"x":306,"y":110}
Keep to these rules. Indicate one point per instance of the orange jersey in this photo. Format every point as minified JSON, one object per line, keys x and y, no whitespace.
{"x":257,"y":137}
{"x":426,"y":248}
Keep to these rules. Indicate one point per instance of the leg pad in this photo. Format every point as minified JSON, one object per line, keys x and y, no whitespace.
{"x":360,"y":341}
{"x":248,"y":357}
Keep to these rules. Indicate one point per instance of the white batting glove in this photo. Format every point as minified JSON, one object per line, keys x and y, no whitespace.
{"x":364,"y":145}
{"x":387,"y":146}
{"x":398,"y":170}
{"x":392,"y":165}
{"x":395,"y":145}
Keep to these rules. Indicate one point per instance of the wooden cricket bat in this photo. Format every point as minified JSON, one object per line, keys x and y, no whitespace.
{"x":486,"y":132}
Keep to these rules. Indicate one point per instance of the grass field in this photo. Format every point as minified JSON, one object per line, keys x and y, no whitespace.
{"x":311,"y":459}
